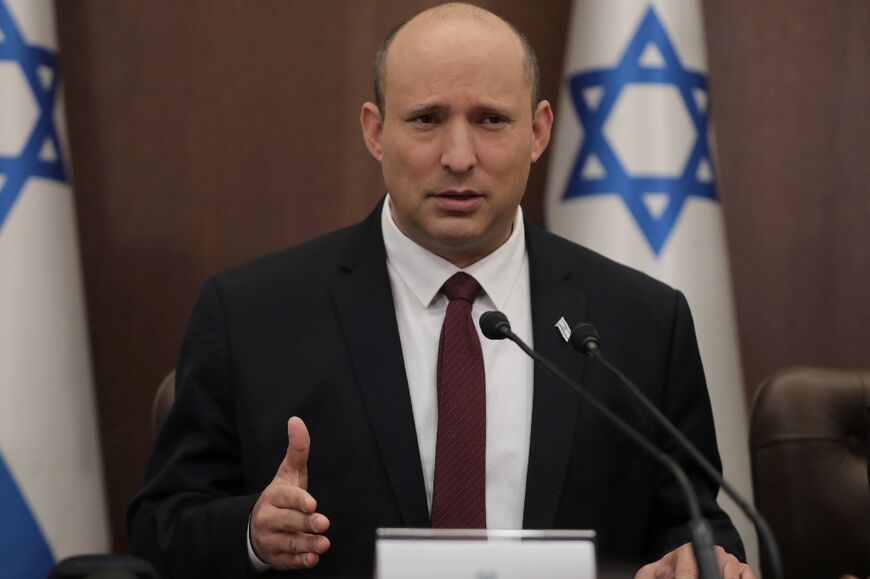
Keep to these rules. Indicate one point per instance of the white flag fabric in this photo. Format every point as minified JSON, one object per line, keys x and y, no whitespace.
{"x":633,"y":177}
{"x":52,"y":500}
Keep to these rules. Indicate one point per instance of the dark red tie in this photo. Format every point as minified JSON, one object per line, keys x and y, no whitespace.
{"x":459,"y":494}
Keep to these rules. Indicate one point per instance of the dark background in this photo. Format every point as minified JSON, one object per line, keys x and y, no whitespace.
{"x":205,"y":132}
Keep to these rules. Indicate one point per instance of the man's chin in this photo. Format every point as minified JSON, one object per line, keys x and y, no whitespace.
{"x":462,"y":248}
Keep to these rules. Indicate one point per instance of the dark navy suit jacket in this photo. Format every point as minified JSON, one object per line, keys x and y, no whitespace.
{"x":311,"y":331}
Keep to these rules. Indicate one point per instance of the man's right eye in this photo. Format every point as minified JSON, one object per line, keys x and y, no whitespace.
{"x":424,"y":119}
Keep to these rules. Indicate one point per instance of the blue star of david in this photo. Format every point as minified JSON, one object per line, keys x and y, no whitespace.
{"x":31,"y":160}
{"x":608,"y":175}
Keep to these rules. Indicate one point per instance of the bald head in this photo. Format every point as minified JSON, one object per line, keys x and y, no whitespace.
{"x":444,"y":14}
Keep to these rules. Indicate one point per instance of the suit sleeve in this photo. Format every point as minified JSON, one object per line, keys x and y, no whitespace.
{"x":190,"y":519}
{"x":687,"y":404}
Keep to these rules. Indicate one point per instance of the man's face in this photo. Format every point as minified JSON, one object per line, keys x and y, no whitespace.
{"x":458,"y":136}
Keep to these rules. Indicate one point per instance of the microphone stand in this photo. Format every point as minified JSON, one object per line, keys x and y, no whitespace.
{"x":584,"y":338}
{"x":699,"y":529}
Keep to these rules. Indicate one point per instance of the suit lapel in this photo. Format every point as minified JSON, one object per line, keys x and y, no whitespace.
{"x":554,"y":293}
{"x":366,"y":312}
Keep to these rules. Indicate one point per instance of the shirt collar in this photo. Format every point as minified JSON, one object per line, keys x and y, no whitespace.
{"x":424,"y":272}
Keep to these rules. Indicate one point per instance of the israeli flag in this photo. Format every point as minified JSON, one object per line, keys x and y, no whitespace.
{"x":633,"y":176}
{"x":52,"y":501}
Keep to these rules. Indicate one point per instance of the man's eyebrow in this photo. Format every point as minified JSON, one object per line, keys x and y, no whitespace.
{"x":425,"y":108}
{"x":493,"y":107}
{"x":438,"y":107}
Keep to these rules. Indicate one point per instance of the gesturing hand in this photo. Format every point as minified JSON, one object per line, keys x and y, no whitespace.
{"x":680,"y":564}
{"x":284,"y":524}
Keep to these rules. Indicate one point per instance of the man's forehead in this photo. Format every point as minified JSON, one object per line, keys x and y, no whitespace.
{"x":434,"y":29}
{"x":454,"y":40}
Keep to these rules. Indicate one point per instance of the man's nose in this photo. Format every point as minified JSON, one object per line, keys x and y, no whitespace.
{"x":458,"y":154}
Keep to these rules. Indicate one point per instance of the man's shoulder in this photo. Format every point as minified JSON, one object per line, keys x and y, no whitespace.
{"x":592,"y":270}
{"x":311,"y":264}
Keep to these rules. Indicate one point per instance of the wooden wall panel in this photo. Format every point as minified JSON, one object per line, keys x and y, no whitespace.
{"x":206,"y":132}
{"x":790,"y":83}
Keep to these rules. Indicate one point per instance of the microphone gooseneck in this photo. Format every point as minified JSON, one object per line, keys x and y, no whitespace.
{"x":585,"y":339}
{"x":495,"y":326}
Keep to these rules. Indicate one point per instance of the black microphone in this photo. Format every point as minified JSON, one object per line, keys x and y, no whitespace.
{"x":585,"y":339}
{"x":495,"y":326}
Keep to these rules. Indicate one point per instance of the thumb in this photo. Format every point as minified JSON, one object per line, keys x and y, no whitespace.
{"x":294,"y":467}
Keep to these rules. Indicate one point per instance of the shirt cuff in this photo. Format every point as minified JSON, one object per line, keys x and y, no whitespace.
{"x":258,"y":564}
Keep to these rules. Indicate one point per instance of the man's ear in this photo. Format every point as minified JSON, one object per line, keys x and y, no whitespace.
{"x":372,"y":127}
{"x":542,"y":127}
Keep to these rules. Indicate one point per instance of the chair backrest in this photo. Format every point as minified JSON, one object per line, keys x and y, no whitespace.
{"x":163,"y":400}
{"x":809,"y":439}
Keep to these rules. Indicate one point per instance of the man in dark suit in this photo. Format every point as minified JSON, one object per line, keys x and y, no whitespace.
{"x":337,"y":334}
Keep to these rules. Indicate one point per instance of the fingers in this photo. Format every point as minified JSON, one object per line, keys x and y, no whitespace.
{"x":294,"y":467}
{"x":285,"y":508}
{"x":645,"y":572}
{"x":684,"y":562}
{"x":292,"y":521}
{"x":287,"y":561}
{"x":649,"y":571}
{"x":731,"y":567}
{"x":285,"y":551}
{"x":281,"y":513}
{"x":737,"y":570}
{"x":661,"y":569}
{"x":293,"y":546}
{"x":284,"y":495}
{"x":680,"y":564}
{"x":283,"y":536}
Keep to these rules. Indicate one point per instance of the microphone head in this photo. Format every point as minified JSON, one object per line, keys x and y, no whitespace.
{"x":584,"y":338}
{"x":495,"y":325}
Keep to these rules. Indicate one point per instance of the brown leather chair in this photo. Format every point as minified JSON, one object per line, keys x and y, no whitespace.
{"x":163,"y":400}
{"x":809,"y":438}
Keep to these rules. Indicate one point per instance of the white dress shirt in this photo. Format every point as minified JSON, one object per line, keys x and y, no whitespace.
{"x":416,"y":276}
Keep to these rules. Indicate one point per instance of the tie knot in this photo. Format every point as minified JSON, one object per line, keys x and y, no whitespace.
{"x":461,"y":286}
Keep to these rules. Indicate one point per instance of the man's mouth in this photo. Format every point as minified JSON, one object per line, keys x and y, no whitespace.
{"x":459,"y":201}
{"x":458,"y":193}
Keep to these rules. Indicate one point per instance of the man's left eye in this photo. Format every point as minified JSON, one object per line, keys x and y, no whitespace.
{"x":495,"y":120}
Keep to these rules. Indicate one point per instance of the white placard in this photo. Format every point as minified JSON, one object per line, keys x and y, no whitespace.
{"x":463,"y":554}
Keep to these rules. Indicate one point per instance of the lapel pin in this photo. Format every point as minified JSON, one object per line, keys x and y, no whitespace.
{"x":564,"y":329}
